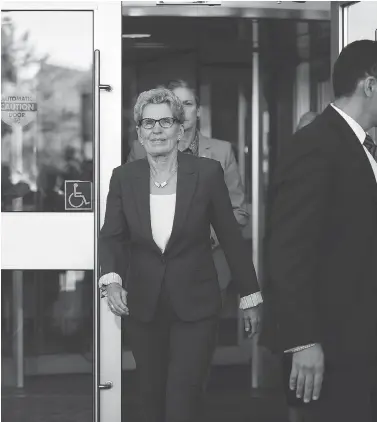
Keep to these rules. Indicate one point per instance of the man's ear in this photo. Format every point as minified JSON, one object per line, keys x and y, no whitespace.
{"x":370,"y":86}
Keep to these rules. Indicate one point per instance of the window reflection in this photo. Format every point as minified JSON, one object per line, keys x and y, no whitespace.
{"x":57,"y":309}
{"x":54,"y":144}
{"x":56,"y":351}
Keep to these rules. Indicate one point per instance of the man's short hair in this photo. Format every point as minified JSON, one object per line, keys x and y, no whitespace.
{"x":356,"y":61}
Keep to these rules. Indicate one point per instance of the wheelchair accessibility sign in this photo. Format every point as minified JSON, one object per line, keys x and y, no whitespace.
{"x":78,"y":195}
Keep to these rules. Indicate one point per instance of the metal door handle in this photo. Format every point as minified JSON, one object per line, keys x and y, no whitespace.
{"x":107,"y":386}
{"x":96,"y":156}
{"x":107,"y":88}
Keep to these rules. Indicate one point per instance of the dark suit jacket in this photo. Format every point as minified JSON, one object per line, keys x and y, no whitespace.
{"x":186,"y":267}
{"x":222,"y":152}
{"x":321,"y":284}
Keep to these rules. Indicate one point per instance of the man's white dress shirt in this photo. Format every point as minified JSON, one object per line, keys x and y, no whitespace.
{"x":360,"y":133}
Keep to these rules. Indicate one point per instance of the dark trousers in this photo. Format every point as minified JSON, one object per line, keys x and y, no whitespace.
{"x":172,"y":360}
{"x":348,"y":394}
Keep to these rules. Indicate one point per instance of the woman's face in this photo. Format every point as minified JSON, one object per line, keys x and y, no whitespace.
{"x":190,"y":107}
{"x":159,"y":140}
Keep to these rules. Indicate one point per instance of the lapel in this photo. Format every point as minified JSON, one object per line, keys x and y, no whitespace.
{"x":141,"y":191}
{"x":204,"y":146}
{"x":352,"y":142}
{"x":186,"y":184}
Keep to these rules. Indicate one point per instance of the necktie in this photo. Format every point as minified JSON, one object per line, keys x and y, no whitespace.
{"x":371,"y":146}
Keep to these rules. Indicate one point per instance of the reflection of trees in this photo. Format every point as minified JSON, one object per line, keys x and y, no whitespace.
{"x":63,"y":120}
{"x":16,"y":54}
{"x":60,"y":92}
{"x":19,"y":61}
{"x":7,"y":50}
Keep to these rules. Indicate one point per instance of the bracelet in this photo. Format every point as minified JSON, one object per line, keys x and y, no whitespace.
{"x":299,"y":348}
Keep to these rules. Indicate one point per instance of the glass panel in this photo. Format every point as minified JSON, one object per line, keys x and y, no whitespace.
{"x":219,"y":66}
{"x":46,"y":125}
{"x":57,"y":345}
{"x":215,"y":56}
{"x":364,"y":12}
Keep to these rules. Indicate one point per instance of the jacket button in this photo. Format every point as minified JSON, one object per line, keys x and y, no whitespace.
{"x":163,"y":259}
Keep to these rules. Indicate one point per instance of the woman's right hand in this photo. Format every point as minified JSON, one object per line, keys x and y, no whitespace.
{"x":117,"y":299}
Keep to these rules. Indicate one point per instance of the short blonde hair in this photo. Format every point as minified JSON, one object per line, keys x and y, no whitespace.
{"x":159,"y":96}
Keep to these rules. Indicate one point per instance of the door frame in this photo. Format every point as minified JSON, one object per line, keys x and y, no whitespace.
{"x":244,"y":352}
{"x":107,"y":39}
{"x":339,"y":11}
{"x":107,"y":28}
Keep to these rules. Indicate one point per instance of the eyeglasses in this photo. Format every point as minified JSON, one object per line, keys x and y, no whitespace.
{"x":165,"y":122}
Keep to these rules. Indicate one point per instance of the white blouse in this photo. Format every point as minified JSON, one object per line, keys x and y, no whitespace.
{"x":162,"y":209}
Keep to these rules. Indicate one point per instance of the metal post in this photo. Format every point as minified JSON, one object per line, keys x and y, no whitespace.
{"x":242,"y":152}
{"x":256,"y":192}
{"x":17,"y":279}
{"x":96,"y":197}
{"x":242,"y":110}
{"x":97,"y":87}
{"x":18,"y":327}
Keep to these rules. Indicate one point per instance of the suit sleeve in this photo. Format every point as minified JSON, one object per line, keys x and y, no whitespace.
{"x":236,"y":190}
{"x":227,"y":230}
{"x":114,"y":235}
{"x":297,"y":222}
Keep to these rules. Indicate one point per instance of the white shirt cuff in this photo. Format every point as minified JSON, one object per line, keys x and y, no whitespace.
{"x":251,"y":301}
{"x":299,"y":348}
{"x":107,"y":279}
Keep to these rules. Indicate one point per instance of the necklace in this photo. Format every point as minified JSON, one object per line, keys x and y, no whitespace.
{"x":165,"y":182}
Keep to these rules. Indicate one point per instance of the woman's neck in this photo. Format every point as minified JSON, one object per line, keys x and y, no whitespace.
{"x":188,"y":137}
{"x":163,"y":164}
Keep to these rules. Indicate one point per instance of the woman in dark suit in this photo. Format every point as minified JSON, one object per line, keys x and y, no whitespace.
{"x":156,"y":240}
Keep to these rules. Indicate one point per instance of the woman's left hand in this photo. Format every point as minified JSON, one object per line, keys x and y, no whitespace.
{"x":251,"y":317}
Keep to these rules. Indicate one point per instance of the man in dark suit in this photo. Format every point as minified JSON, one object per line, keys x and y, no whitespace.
{"x":320,"y":293}
{"x":294,"y":411}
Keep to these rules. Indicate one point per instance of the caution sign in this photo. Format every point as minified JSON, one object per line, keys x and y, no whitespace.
{"x":18,"y":107}
{"x":78,"y":195}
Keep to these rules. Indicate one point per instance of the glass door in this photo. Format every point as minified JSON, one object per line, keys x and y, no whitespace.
{"x":228,"y":56}
{"x":351,"y":21}
{"x":165,"y":44}
{"x":53,"y":191}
